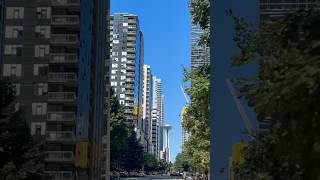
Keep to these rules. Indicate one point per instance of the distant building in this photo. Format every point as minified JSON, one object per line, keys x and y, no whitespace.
{"x":157,"y":117}
{"x":54,"y":54}
{"x":127,"y":67}
{"x":277,"y":9}
{"x":200,"y":54}
{"x":185,"y":135}
{"x":2,"y":16}
{"x":147,"y":106}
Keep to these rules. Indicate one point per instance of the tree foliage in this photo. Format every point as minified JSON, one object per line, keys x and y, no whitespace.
{"x":197,"y":118}
{"x":21,"y":156}
{"x":181,"y":163}
{"x":285,"y":91}
{"x":126,"y":152}
{"x":200,"y":11}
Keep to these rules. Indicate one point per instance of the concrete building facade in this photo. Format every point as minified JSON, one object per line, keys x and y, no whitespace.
{"x":126,"y":41}
{"x":200,"y":54}
{"x":157,"y":117}
{"x":147,"y":106}
{"x":54,"y":53}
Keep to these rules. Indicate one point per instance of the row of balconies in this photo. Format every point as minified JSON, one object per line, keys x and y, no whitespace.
{"x":65,"y":2}
{"x":61,"y":175}
{"x":65,"y":20}
{"x":60,"y":156}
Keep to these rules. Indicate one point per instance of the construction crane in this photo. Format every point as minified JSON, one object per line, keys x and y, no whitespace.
{"x":185,"y":96}
{"x":236,"y":97}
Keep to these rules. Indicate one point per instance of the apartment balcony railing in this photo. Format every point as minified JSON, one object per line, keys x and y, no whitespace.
{"x":65,"y":20}
{"x":129,"y":86}
{"x":62,"y":77}
{"x":61,"y":116}
{"x":65,"y":2}
{"x":63,"y":58}
{"x":59,"y":156}
{"x":61,"y":96}
{"x":60,"y":175}
{"x":60,"y":136}
{"x":64,"y":38}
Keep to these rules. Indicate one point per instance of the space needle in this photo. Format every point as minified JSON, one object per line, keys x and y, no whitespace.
{"x":167,"y":129}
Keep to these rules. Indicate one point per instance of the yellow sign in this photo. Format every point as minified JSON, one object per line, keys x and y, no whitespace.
{"x":81,"y":158}
{"x":237,"y":155}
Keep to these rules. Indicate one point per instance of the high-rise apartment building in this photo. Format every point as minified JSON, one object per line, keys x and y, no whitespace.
{"x":2,"y":16}
{"x":54,"y":54}
{"x":147,"y":106}
{"x":200,"y":54}
{"x":157,"y":117}
{"x":127,"y":67}
{"x":185,"y":134}
{"x":276,"y":9}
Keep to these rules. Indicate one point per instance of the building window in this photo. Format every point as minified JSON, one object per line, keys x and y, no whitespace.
{"x":115,"y":41}
{"x":14,"y":31}
{"x":123,"y":89}
{"x":12,"y":70}
{"x":123,"y":71}
{"x":114,"y":65}
{"x":15,"y":13}
{"x":43,"y":31}
{"x":15,"y":50}
{"x":16,"y":87}
{"x":123,"y":77}
{"x":113,"y":71}
{"x":114,"y":83}
{"x":41,"y":50}
{"x":122,"y":96}
{"x":125,"y":24}
{"x":40,"y":69}
{"x":124,"y":53}
{"x":39,"y":109}
{"x":40,"y":89}
{"x":113,"y":77}
{"x":116,"y":59}
{"x":43,"y":12}
{"x":38,"y":128}
{"x":121,"y":102}
{"x":123,"y":59}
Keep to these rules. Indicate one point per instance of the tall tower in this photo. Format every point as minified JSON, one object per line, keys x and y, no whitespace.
{"x":157,"y":116}
{"x":54,"y":53}
{"x":166,"y":149}
{"x":185,"y":135}
{"x":147,"y":106}
{"x":200,"y":54}
{"x":127,"y":67}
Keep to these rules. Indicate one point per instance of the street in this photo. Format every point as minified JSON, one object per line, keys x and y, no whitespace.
{"x":153,"y":178}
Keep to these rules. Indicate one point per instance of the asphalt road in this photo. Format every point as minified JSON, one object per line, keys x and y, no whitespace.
{"x":154,"y":178}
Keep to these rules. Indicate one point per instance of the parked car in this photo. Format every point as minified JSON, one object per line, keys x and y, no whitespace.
{"x":175,"y":174}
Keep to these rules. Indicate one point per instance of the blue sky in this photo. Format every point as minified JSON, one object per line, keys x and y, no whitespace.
{"x":166,"y":28}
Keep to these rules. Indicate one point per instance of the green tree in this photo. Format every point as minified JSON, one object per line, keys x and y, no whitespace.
{"x":200,"y":11}
{"x":119,"y":133}
{"x":197,"y":119}
{"x":181,"y":163}
{"x":286,"y":92}
{"x":21,"y":156}
{"x":150,"y":163}
{"x":133,"y":157}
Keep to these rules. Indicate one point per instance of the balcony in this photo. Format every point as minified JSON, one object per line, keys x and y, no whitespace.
{"x":63,"y":58}
{"x":60,"y":136}
{"x":58,"y":156}
{"x":65,"y":2}
{"x":61,"y":96}
{"x":61,"y":116}
{"x":62,"y":77}
{"x":60,"y":175}
{"x":65,"y":20}
{"x":64,"y":39}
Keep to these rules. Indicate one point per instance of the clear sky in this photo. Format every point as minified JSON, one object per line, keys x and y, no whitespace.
{"x":166,"y":28}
